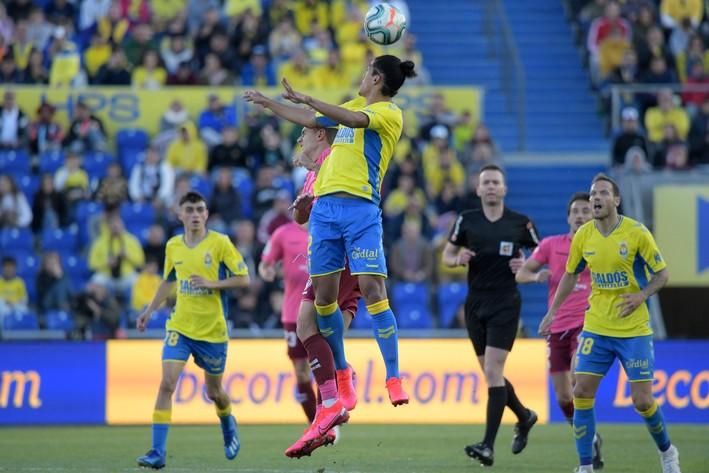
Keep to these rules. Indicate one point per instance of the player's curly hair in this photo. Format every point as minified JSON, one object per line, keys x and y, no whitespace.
{"x":395,"y":72}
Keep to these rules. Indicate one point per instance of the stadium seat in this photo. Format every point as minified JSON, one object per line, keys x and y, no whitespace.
{"x":414,"y":317}
{"x":50,"y":161}
{"x":16,"y":239}
{"x":139,"y":230}
{"x":132,"y":138}
{"x":96,"y":164}
{"x":59,"y":320}
{"x":77,"y":270}
{"x":16,"y":163}
{"x":158,"y":319}
{"x":450,"y":297}
{"x":142,"y":213}
{"x":128,"y":159}
{"x":85,"y":212}
{"x":410,"y":294}
{"x":201,"y":185}
{"x":245,"y":186}
{"x":60,"y":240}
{"x":20,"y":321}
{"x":29,"y":185}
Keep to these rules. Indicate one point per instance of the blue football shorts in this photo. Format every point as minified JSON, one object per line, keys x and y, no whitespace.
{"x":596,"y":353}
{"x":211,"y":357}
{"x":346,"y":227}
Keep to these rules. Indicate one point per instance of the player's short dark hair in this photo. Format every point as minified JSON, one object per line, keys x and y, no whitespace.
{"x":395,"y":71}
{"x":492,"y":167}
{"x":193,"y":197}
{"x":9,"y":260}
{"x":583,"y":196}
{"x":604,"y":177}
{"x":330,"y":134}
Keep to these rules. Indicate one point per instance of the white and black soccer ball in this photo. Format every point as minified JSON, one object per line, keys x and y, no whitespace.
{"x":384,"y":24}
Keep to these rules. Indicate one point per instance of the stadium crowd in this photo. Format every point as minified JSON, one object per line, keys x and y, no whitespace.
{"x":84,"y":216}
{"x":650,"y":43}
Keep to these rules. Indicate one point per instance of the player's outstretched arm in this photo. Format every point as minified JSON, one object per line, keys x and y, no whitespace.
{"x":630,"y":302}
{"x":163,"y":292}
{"x":566,"y":286}
{"x":531,"y":271}
{"x":338,"y":114}
{"x":298,"y":115}
{"x":454,"y":256}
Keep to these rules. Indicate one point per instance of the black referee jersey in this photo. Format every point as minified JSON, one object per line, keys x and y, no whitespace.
{"x":494,"y":244}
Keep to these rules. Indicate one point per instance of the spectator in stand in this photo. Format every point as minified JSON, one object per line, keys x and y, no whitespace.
{"x":21,"y":46}
{"x":674,"y":12}
{"x":397,"y":200}
{"x":680,"y":37}
{"x":13,"y":292}
{"x":154,"y":247}
{"x":249,"y":32}
{"x":96,"y":55}
{"x":412,"y":256}
{"x":196,"y":11}
{"x":482,"y":137}
{"x":699,"y":135}
{"x":115,"y":72}
{"x":414,"y":212}
{"x":483,"y":154}
{"x":298,"y":72}
{"x":36,"y":73}
{"x":115,"y":257}
{"x":636,"y":161}
{"x":15,"y":211}
{"x":54,"y":291}
{"x":152,"y":180}
{"x":184,"y":76}
{"x":113,"y":27}
{"x":244,"y":237}
{"x":211,"y":24}
{"x":9,"y":73}
{"x":273,"y":152}
{"x":141,"y":40}
{"x":170,"y":123}
{"x":318,"y":45}
{"x":219,"y":45}
{"x":437,"y":113}
{"x":666,"y":112}
{"x":91,"y":12}
{"x":653,"y":46}
{"x":644,"y":18}
{"x":225,"y":204}
{"x":447,"y":169}
{"x":150,"y":74}
{"x":670,"y":138}
{"x":603,"y":28}
{"x":658,"y":73}
{"x":677,"y":157}
{"x":71,"y":180}
{"x":258,"y":71}
{"x":264,"y":192}
{"x":86,"y":131}
{"x":284,"y":40}
{"x":97,"y":312}
{"x":214,"y":119}
{"x":65,"y":61}
{"x":145,"y":286}
{"x":279,"y":214}
{"x":19,"y":9}
{"x":625,"y":74}
{"x":49,"y":209}
{"x":188,"y":153}
{"x":113,"y":189}
{"x":214,"y":74}
{"x":174,"y":52}
{"x":7,"y":25}
{"x":695,"y":53}
{"x":449,"y":199}
{"x":229,"y":152}
{"x":58,"y":11}
{"x":630,"y":137}
{"x":13,"y":123}
{"x":611,"y":51}
{"x":698,"y":88}
{"x":39,"y":30}
{"x":332,"y":74}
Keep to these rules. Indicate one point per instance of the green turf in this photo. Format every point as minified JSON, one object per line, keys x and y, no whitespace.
{"x":375,"y":449}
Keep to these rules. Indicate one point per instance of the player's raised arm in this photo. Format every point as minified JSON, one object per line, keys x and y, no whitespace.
{"x":333,"y":112}
{"x":163,"y":292}
{"x":298,"y":115}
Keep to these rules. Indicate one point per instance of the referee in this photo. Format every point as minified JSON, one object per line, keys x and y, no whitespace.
{"x":489,"y":241}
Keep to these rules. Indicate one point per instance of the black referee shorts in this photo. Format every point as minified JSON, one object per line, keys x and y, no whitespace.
{"x":492,"y":319}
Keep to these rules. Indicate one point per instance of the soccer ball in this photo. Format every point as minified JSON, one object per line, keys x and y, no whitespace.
{"x":384,"y":24}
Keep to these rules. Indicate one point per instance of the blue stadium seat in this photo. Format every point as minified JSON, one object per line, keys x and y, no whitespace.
{"x":60,"y":240}
{"x":245,"y":186}
{"x":143,"y":213}
{"x":132,"y":138}
{"x":85,"y":212}
{"x":50,"y":161}
{"x":129,"y":158}
{"x":362,"y":320}
{"x":77,"y":270}
{"x":450,"y":297}
{"x":20,"y":321}
{"x":409,"y":294}
{"x":96,"y":164}
{"x":158,"y":319}
{"x":59,"y":320}
{"x":13,"y":162}
{"x":16,"y":239}
{"x":29,"y":185}
{"x":414,"y":317}
{"x":139,"y":230}
{"x":201,"y":185}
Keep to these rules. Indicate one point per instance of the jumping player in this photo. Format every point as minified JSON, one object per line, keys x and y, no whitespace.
{"x":563,"y":339}
{"x":203,"y":263}
{"x":620,"y":253}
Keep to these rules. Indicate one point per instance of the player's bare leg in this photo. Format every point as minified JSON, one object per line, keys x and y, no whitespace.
{"x":385,"y":333}
{"x":162,"y":415}
{"x":222,"y":404}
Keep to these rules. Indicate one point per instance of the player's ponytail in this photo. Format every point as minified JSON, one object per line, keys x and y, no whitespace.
{"x":395,"y":71}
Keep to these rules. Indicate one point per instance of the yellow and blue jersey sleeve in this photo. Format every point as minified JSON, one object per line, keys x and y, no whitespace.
{"x":360,"y":157}
{"x":648,"y":251}
{"x":575,"y":264}
{"x":232,"y":259}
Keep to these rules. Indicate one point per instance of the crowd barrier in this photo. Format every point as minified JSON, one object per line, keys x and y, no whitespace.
{"x":116,"y":382}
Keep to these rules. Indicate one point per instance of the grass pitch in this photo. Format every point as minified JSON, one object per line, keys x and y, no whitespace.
{"x":363,"y":448}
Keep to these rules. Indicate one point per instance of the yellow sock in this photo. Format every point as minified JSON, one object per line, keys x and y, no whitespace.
{"x":162,"y":416}
{"x":226,"y":412}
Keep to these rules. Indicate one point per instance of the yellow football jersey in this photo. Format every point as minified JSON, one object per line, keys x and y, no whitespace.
{"x":359,"y":157}
{"x":620,"y":263}
{"x":201,"y":313}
